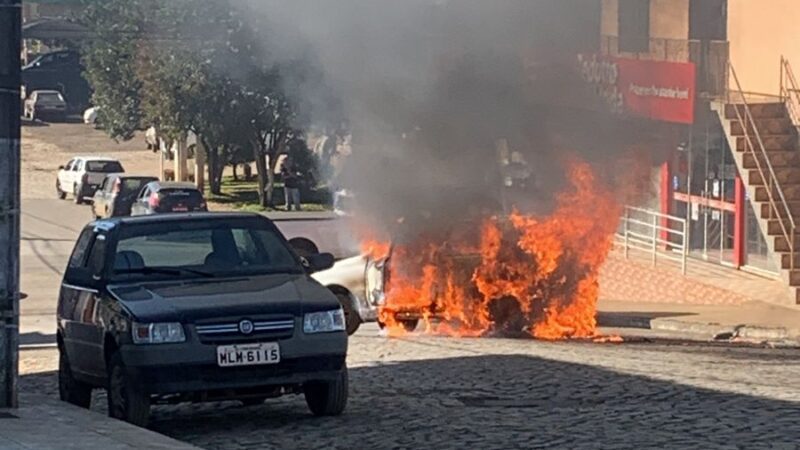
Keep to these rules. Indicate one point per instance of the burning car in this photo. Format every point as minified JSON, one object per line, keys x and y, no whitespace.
{"x":511,"y":273}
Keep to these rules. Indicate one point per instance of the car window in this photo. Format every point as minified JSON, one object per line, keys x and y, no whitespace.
{"x":211,"y":247}
{"x":79,"y":252}
{"x":97,"y":258}
{"x":69,"y":165}
{"x":77,"y":166}
{"x":49,"y":97}
{"x":245,"y":244}
{"x":104,"y":167}
{"x":170,"y":248}
{"x":130,"y":185}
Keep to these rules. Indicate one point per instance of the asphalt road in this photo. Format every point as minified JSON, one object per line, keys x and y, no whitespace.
{"x":49,"y":229}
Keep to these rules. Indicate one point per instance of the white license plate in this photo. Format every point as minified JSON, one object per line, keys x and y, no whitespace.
{"x":248,"y":354}
{"x":180,"y":209}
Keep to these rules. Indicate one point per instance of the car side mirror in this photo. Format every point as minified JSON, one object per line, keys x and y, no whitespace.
{"x":320,"y":261}
{"x":60,"y":167}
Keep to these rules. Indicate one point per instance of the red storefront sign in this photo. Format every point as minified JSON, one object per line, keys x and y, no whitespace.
{"x":658,"y":90}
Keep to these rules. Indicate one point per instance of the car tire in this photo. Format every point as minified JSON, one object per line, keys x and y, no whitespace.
{"x":409,"y":324}
{"x":327,"y":398}
{"x":78,"y":194}
{"x":71,"y":390}
{"x":352,"y":321}
{"x":60,"y":192}
{"x":304,"y":247}
{"x":127,"y":400}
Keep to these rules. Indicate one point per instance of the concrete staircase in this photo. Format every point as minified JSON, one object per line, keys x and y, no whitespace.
{"x":781,"y":150}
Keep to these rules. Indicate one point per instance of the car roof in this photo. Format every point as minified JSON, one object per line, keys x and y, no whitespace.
{"x":175,"y":217}
{"x":158,"y":185}
{"x":95,"y":158}
{"x":46,"y":91}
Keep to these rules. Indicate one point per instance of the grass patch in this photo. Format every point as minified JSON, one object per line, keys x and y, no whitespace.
{"x":243,"y":196}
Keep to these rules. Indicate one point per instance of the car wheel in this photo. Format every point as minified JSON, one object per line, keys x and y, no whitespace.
{"x":78,"y":194}
{"x":351,"y":318}
{"x":126,"y":398}
{"x":59,"y":192}
{"x":71,"y":390}
{"x":304,"y":247}
{"x":327,"y":398}
{"x":410,"y":324}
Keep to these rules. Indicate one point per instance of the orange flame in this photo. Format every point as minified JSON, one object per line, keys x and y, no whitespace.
{"x":537,"y":274}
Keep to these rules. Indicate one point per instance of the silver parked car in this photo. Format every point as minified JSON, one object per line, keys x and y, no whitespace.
{"x":358,"y":284}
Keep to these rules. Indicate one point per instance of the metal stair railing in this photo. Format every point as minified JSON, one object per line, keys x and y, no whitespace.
{"x":653,"y":232}
{"x":790,"y":92}
{"x":755,"y":145}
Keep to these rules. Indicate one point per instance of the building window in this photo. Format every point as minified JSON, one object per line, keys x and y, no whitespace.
{"x":634,"y":26}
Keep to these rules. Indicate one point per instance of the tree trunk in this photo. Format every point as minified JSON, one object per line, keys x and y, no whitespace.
{"x":235,"y":175}
{"x":214,"y":184}
{"x":261,"y":173}
{"x":271,"y":180}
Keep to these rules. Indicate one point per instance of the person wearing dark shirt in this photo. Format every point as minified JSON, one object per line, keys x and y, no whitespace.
{"x":291,"y":185}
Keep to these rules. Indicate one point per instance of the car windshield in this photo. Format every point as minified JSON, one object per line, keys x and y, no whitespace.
{"x":133,"y":185}
{"x":104,"y":166}
{"x":208,"y":248}
{"x":49,"y":97}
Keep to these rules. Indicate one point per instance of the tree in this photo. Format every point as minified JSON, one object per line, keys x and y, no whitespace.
{"x":110,"y":63}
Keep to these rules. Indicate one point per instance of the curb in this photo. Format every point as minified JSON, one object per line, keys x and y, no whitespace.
{"x":713,"y":331}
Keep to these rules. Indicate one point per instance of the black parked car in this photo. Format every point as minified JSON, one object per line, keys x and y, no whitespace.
{"x":62,"y":71}
{"x":193,"y":308}
{"x":160,"y":197}
{"x":116,"y":194}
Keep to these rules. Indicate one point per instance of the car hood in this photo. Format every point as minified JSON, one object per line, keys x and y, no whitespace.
{"x":199,"y":300}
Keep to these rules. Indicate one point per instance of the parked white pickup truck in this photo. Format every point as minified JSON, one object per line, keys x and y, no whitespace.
{"x":81,"y":176}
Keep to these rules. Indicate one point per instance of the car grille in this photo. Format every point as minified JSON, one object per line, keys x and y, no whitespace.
{"x":228,"y":332}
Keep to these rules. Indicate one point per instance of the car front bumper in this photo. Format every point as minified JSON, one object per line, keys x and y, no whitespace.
{"x":191,"y":367}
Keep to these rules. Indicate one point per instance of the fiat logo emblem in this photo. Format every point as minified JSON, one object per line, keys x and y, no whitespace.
{"x":246,"y":327}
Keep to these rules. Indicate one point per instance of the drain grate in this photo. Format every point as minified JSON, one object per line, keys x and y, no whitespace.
{"x":5,"y":415}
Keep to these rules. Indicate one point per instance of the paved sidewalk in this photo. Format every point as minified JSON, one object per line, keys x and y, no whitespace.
{"x":44,"y":423}
{"x":749,"y":321}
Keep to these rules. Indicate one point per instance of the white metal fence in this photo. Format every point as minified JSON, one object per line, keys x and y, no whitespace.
{"x":660,"y":235}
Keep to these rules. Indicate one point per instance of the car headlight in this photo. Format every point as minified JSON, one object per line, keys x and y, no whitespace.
{"x":157,"y":333}
{"x":324,"y":321}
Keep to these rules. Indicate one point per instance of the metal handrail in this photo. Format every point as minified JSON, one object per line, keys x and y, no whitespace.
{"x":790,"y":92}
{"x":747,"y":121}
{"x":653,"y":233}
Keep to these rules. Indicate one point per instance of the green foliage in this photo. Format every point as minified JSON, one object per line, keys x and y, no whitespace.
{"x":198,"y":66}
{"x":110,"y":62}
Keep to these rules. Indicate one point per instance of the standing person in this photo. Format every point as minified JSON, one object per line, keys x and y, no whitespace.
{"x":291,"y":184}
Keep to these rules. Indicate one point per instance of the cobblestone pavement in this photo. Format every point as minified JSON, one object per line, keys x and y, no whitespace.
{"x":428,"y":392}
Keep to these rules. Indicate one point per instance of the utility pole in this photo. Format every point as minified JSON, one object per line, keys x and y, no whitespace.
{"x":10,"y":81}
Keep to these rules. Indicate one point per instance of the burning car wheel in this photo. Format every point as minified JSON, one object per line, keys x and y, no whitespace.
{"x":327,"y":398}
{"x":409,"y":324}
